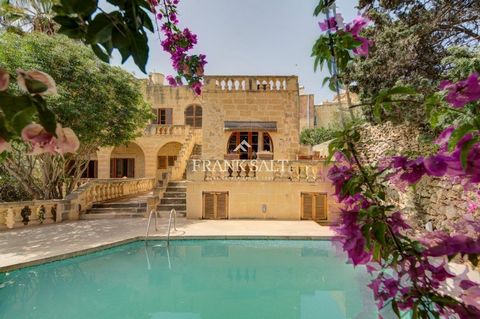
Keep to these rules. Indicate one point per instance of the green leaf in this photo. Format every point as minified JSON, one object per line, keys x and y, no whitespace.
{"x":67,"y":22}
{"x":46,"y":116}
{"x":82,"y":7}
{"x":22,"y":119}
{"x":395,"y":308}
{"x":100,"y":29}
{"x":35,"y":87}
{"x":466,"y":148}
{"x":140,"y":51}
{"x":100,"y":53}
{"x":379,"y":229}
{"x":458,"y":134}
{"x":323,"y":6}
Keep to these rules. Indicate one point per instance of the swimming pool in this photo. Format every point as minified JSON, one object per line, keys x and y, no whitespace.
{"x":193,"y":279}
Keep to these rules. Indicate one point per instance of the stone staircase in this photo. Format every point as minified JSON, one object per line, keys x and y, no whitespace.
{"x":133,"y":207}
{"x":175,"y":196}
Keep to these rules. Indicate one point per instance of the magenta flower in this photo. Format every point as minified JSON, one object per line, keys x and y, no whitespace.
{"x":4,"y":80}
{"x":328,"y":24}
{"x":364,"y":48}
{"x":357,"y":25}
{"x":462,"y":92}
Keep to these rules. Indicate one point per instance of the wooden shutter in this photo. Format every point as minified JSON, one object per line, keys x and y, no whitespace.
{"x":131,"y":168}
{"x":113,"y":168}
{"x":169,"y":116}
{"x":215,"y":205}
{"x":307,"y":206}
{"x":320,"y":207}
{"x":162,"y":162}
{"x":208,"y":205}
{"x":222,"y":205}
{"x":156,"y":118}
{"x":314,"y":206}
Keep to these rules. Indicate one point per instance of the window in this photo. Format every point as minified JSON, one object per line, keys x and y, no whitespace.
{"x":193,"y":116}
{"x":314,"y":206}
{"x":215,"y":205}
{"x":163,"y":116}
{"x":248,"y":144}
{"x":122,"y":167}
{"x":89,"y":169}
{"x":166,"y":161}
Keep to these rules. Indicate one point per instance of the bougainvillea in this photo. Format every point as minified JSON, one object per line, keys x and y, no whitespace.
{"x":178,"y":42}
{"x":410,"y":273}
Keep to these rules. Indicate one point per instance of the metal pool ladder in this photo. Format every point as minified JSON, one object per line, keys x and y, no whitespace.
{"x":173,"y":215}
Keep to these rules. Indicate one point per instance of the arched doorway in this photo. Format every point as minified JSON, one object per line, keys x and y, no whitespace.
{"x":127,"y":161}
{"x":193,"y":116}
{"x":248,"y":144}
{"x":167,"y":155}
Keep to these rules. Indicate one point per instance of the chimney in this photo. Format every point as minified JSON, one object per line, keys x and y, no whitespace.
{"x":156,"y":78}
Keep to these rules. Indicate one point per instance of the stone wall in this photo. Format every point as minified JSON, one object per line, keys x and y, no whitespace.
{"x":436,"y":200}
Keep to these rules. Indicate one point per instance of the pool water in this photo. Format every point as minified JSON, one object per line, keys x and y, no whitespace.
{"x":193,"y":279}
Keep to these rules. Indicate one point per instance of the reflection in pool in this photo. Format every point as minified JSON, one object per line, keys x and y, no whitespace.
{"x":193,"y":279}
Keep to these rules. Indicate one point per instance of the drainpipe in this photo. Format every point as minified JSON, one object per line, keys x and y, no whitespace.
{"x":308,"y":111}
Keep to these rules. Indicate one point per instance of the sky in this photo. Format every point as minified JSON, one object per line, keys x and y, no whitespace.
{"x":251,"y":37}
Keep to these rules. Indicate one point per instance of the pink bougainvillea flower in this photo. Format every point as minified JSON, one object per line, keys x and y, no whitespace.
{"x":67,"y":141}
{"x":41,"y":140}
{"x":462,"y":92}
{"x":357,"y":25}
{"x":332,"y":23}
{"x":4,"y":145}
{"x":364,"y":48}
{"x":47,"y":80}
{"x":328,"y":24}
{"x":4,"y":80}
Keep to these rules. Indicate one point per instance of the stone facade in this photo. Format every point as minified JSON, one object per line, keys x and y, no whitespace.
{"x":436,"y":200}
{"x":271,"y":107}
{"x":328,"y":114}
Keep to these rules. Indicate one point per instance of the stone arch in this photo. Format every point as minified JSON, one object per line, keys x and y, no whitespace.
{"x":127,"y":161}
{"x":167,"y":154}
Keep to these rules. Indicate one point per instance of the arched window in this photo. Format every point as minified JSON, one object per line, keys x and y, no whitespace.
{"x":248,"y":144}
{"x":193,"y":116}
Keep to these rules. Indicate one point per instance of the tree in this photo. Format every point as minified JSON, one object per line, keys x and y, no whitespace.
{"x":412,"y":38}
{"x":28,"y":15}
{"x":102,"y":104}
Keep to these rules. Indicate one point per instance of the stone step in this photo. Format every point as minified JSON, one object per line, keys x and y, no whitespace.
{"x":181,"y":200}
{"x":166,"y":214}
{"x":174,"y":195}
{"x":177,"y":184}
{"x":101,"y":210}
{"x":119,"y":205}
{"x":176,"y":189}
{"x":111,"y":216}
{"x":168,"y":207}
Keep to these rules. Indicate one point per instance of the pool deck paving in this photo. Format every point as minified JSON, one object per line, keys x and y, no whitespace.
{"x":39,"y":244}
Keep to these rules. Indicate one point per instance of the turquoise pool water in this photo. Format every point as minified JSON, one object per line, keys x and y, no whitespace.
{"x":194,"y":279}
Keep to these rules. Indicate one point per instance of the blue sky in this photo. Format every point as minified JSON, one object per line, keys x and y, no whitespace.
{"x":251,"y":37}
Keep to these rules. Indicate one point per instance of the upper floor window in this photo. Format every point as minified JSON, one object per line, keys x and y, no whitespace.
{"x":193,"y":116}
{"x":163,"y":116}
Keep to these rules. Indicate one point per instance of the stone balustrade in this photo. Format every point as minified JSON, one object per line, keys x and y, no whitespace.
{"x":167,"y":130}
{"x":251,"y":83}
{"x":257,"y":170}
{"x":19,"y":214}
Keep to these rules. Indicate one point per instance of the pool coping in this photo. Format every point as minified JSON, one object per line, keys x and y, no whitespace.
{"x":116,"y":243}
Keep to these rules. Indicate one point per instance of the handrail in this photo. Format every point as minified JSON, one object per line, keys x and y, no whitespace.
{"x":153,"y":211}
{"x":173,"y":213}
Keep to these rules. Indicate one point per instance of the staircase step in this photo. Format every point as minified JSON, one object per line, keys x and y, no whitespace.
{"x":168,"y":207}
{"x":111,"y":216}
{"x":175,"y":195}
{"x":181,"y":200}
{"x":139,"y":210}
{"x":176,"y":189}
{"x":177,"y":184}
{"x":119,"y":205}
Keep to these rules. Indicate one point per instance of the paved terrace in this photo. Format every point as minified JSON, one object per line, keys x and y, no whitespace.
{"x":35,"y":245}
